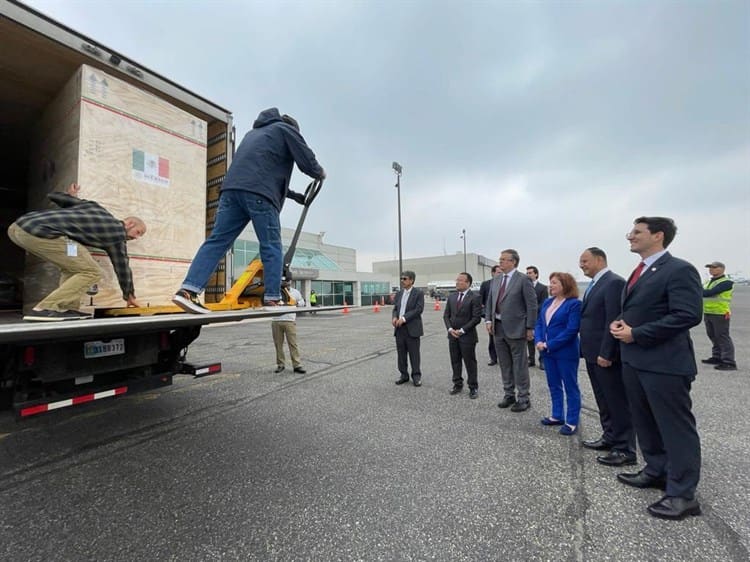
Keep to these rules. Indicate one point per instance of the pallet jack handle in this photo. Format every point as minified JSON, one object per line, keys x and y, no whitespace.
{"x":310,"y":194}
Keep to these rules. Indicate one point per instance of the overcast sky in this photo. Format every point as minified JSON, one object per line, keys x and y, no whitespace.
{"x":541,"y":126}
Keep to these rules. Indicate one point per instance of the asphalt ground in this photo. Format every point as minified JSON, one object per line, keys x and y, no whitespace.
{"x":341,"y":464}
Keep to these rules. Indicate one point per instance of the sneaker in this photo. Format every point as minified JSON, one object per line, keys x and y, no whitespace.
{"x":54,"y":315}
{"x":277,"y":305}
{"x":188,"y":301}
{"x":80,"y":313}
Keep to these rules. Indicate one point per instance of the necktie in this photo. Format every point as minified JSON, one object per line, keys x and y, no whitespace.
{"x":501,"y":292}
{"x":460,"y":299}
{"x":635,"y":275}
{"x":588,"y":290}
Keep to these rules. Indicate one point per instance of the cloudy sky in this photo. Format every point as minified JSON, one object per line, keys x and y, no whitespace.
{"x":546,"y":126}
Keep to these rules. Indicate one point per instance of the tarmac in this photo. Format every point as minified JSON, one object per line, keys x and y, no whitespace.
{"x":342,"y":464}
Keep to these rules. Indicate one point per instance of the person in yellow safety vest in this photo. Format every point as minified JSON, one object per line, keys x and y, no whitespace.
{"x":717,"y":299}
{"x":313,"y":300}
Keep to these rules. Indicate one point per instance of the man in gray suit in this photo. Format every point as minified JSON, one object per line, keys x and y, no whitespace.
{"x":510,"y":314}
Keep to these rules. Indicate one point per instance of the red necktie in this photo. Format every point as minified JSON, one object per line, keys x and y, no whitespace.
{"x":501,"y":292}
{"x":635,"y":275}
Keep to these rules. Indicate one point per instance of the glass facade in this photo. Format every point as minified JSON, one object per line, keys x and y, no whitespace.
{"x":246,"y":251}
{"x":332,"y":293}
{"x":375,"y":291}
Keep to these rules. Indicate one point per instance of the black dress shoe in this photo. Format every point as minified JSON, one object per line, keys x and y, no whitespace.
{"x":507,"y":402}
{"x":617,"y":458}
{"x":473,"y":393}
{"x":520,"y":406}
{"x":711,"y":361}
{"x":417,"y":382}
{"x":491,"y":363}
{"x":532,"y":364}
{"x":457,"y":390}
{"x":726,"y":367}
{"x":642,"y":480}
{"x":279,"y":369}
{"x":597,"y":445}
{"x":299,"y":370}
{"x":674,"y":507}
{"x":402,"y":381}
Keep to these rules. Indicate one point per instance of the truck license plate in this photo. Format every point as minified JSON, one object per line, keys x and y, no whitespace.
{"x":93,"y":349}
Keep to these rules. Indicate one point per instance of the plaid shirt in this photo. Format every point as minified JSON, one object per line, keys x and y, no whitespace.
{"x":87,"y":223}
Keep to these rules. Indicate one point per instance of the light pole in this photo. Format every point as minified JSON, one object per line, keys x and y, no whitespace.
{"x":463,"y":235}
{"x":398,"y":169}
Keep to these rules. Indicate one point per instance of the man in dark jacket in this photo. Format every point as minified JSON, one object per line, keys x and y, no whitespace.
{"x":407,"y":327}
{"x":484,"y":293}
{"x":254,"y":189}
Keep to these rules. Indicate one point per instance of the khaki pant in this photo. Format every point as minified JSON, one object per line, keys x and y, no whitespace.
{"x":77,"y":273}
{"x":279,"y":329}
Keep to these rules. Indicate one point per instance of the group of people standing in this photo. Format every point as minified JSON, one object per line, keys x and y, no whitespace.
{"x":633,"y":335}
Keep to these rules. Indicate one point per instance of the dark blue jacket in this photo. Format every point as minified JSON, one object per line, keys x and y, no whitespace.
{"x":264,"y":160}
{"x":665,"y":302}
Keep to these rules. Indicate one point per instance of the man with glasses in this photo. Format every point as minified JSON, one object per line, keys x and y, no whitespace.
{"x":407,"y":327}
{"x":662,"y":300}
{"x":510,"y":315}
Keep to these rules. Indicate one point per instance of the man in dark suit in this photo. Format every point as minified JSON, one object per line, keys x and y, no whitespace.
{"x":601,"y":351}
{"x":532,"y":272}
{"x":463,"y":311}
{"x":407,"y":324}
{"x":510,"y":315}
{"x":661,"y":302}
{"x":484,"y":293}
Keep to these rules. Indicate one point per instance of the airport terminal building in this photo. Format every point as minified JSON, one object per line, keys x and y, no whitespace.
{"x":331,"y":271}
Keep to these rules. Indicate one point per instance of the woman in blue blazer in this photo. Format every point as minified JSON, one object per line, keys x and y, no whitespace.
{"x":556,"y":338}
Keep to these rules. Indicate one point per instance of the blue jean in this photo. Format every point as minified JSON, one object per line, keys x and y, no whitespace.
{"x":236,"y":209}
{"x":563,"y":374}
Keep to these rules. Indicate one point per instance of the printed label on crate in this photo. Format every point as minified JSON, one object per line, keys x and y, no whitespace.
{"x":150,"y":168}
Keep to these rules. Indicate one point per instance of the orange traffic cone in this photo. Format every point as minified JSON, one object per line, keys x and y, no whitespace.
{"x":346,"y":308}
{"x":437,"y":305}
{"x":376,"y":308}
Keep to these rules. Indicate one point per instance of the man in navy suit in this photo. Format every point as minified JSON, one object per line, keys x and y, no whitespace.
{"x":601,"y":351}
{"x":484,"y":293}
{"x":661,"y":302}
{"x":407,"y":327}
{"x":532,"y":272}
{"x":463,"y":311}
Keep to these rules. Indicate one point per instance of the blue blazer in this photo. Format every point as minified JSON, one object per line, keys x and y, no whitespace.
{"x":561,"y":335}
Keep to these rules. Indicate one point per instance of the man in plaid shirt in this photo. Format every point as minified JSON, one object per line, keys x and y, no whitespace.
{"x":60,"y":236}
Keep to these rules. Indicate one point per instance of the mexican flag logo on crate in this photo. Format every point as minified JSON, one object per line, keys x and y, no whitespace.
{"x":150,"y":168}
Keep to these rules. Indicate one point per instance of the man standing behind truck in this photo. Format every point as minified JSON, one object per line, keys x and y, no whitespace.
{"x":60,"y":236}
{"x":254,"y":190}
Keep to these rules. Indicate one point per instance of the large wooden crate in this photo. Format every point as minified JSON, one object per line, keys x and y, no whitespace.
{"x":136,"y":155}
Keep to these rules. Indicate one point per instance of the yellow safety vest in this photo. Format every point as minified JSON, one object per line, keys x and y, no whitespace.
{"x":717,"y":304}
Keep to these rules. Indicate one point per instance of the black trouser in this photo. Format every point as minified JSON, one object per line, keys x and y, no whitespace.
{"x":407,"y":346}
{"x":665,"y":426}
{"x":467,"y":351}
{"x":717,"y":329}
{"x":532,"y":354}
{"x":614,"y":410}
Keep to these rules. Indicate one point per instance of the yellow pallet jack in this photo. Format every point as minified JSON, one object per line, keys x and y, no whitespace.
{"x":247,"y":291}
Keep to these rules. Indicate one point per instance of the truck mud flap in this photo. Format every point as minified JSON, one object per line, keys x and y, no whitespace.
{"x":200,"y":370}
{"x":24,"y":410}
